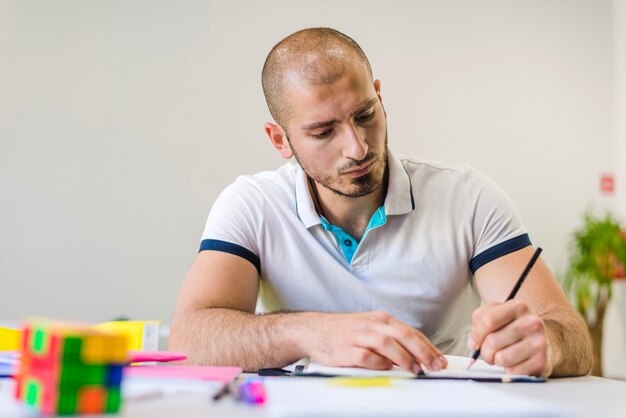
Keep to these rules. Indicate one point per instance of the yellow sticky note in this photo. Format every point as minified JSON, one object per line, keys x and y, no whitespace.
{"x":361,"y":381}
{"x":10,"y":339}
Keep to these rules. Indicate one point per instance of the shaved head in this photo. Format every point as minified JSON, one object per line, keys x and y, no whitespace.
{"x":314,"y":56}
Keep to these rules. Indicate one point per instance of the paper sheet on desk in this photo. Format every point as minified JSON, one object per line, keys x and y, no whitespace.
{"x":457,"y":367}
{"x":313,"y":397}
{"x":9,"y":361}
{"x":147,"y":382}
{"x":134,"y":389}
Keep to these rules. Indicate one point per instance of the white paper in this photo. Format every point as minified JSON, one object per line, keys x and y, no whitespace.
{"x":321,"y":397}
{"x":457,"y":367}
{"x":139,"y":389}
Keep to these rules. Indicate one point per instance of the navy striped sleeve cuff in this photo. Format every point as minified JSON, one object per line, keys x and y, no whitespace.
{"x":229,"y":247}
{"x":498,"y":251}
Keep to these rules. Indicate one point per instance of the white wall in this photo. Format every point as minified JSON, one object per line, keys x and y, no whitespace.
{"x":120,"y":122}
{"x":619,"y":78}
{"x":614,"y":348}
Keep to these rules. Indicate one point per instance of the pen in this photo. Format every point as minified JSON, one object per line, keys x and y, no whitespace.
{"x":501,"y":379}
{"x":251,"y":391}
{"x":529,"y":266}
{"x":225,"y":390}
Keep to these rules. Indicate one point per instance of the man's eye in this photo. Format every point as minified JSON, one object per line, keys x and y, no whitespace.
{"x":366,"y":117}
{"x":323,"y":135}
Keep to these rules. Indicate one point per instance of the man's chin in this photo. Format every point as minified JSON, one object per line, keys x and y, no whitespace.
{"x":355,"y":187}
{"x":359,"y":188}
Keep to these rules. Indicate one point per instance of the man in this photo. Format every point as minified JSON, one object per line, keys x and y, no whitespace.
{"x":364,"y":258}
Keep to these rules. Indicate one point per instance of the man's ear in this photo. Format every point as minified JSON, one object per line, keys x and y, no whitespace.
{"x":380,"y":98}
{"x":279,"y":139}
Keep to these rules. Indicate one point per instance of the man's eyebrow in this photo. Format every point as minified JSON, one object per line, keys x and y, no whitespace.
{"x":317,"y":125}
{"x":364,"y":106}
{"x":326,"y":123}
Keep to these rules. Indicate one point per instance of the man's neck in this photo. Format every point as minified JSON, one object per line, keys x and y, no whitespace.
{"x":352,"y":214}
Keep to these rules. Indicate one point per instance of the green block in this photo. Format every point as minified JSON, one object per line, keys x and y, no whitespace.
{"x":68,"y":399}
{"x":32,"y":392}
{"x":83,"y":374}
{"x":39,"y":341}
{"x":95,"y":375}
{"x":71,"y":349}
{"x":69,"y":387}
{"x":114,"y":400}
{"x":72,"y":373}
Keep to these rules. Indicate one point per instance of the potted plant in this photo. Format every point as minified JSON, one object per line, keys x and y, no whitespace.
{"x":597,"y":257}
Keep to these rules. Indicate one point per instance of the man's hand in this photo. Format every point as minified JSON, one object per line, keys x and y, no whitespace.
{"x":374,"y":340}
{"x":511,"y":336}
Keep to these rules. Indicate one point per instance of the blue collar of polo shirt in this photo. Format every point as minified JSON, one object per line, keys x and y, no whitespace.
{"x":347,"y":242}
{"x":398,"y":201}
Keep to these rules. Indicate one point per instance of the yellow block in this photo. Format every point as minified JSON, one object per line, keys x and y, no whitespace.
{"x":133,"y":330}
{"x":102,"y":348}
{"x":10,"y":339}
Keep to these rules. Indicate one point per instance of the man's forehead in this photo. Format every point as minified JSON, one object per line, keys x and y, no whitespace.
{"x":310,"y":96}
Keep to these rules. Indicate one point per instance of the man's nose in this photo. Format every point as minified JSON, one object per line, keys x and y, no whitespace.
{"x":355,"y":146}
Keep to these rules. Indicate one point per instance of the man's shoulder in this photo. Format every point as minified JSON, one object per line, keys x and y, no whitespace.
{"x":425,"y":168}
{"x":284,"y":175}
{"x":430,"y":176}
{"x":270,"y":184}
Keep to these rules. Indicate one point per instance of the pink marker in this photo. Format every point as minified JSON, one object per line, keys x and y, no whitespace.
{"x":160,"y":356}
{"x":252,"y":392}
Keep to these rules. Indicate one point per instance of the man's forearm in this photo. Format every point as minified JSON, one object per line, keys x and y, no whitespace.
{"x":570,"y":340}
{"x":226,"y":337}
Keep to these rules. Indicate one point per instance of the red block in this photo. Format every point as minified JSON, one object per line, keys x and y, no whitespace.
{"x":92,"y":400}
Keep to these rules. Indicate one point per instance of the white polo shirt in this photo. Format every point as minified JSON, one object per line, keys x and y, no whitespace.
{"x":441,"y":224}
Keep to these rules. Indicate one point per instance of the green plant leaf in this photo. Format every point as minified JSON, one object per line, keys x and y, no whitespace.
{"x":596,"y":250}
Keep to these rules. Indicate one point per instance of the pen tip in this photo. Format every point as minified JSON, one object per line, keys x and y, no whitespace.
{"x":471,"y":362}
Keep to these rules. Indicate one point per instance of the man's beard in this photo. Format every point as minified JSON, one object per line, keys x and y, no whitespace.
{"x":366,"y":184}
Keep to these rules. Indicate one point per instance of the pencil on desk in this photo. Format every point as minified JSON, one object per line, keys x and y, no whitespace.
{"x":225,"y":390}
{"x":529,"y":266}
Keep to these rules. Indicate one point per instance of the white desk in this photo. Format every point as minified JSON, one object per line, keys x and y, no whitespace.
{"x":588,"y":396}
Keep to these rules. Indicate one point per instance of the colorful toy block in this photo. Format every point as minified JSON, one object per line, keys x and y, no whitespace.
{"x":141,"y":335}
{"x":70,"y":369}
{"x":9,"y":339}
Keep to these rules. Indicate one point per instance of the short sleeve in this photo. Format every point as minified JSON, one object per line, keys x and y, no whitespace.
{"x":497,"y":227}
{"x":235,"y":221}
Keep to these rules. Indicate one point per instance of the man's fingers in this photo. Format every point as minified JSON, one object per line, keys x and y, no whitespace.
{"x":389,"y":347}
{"x":536,"y":365}
{"x":507,"y":336}
{"x":374,"y":340}
{"x":410,"y":346}
{"x":366,"y":358}
{"x":490,"y":318}
{"x":419,"y":346}
{"x":517,"y":341}
{"x":520,"y":352}
{"x":478,"y":312}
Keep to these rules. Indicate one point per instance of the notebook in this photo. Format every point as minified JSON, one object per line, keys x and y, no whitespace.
{"x":456,"y":370}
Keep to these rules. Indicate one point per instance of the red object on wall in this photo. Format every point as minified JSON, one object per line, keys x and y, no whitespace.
{"x":619,"y":271}
{"x":607,"y":183}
